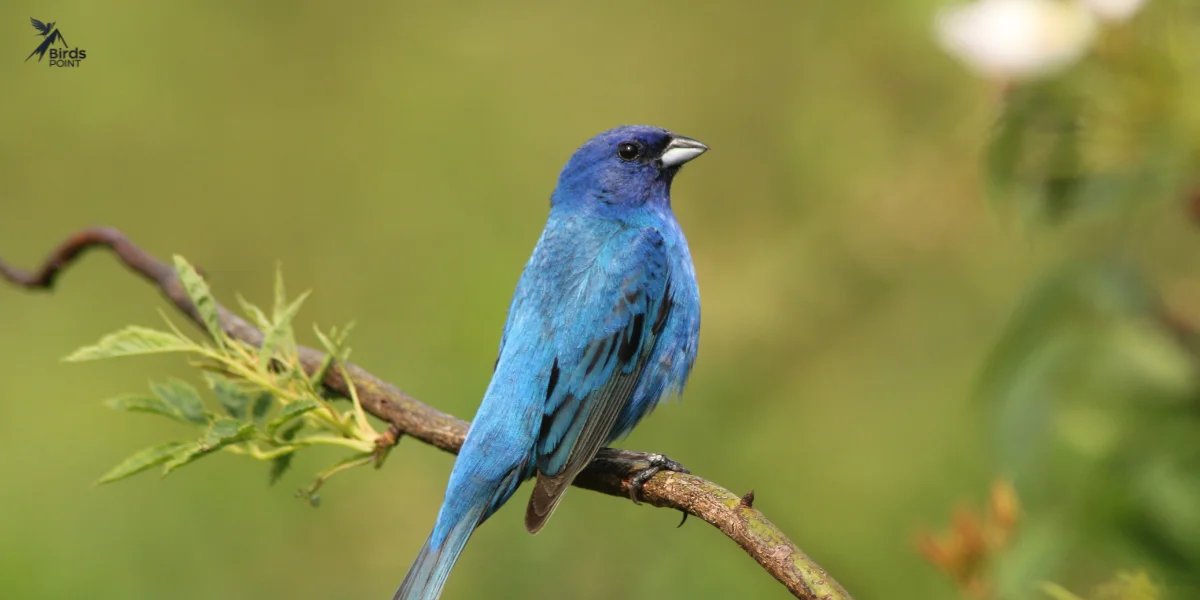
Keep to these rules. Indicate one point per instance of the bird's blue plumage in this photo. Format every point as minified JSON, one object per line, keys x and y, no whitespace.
{"x":604,"y":323}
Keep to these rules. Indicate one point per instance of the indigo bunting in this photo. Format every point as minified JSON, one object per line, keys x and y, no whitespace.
{"x":604,"y":323}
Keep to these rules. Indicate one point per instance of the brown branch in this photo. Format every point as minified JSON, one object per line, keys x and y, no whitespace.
{"x":610,"y":473}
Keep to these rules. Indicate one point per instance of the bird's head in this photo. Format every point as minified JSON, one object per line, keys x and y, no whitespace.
{"x":624,"y":167}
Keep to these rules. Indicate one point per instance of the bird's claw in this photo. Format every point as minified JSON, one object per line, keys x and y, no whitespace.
{"x":657,"y":462}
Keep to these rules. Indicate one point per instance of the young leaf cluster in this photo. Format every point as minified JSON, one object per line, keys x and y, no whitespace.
{"x":264,"y":404}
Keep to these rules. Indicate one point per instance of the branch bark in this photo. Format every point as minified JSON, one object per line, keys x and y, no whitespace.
{"x":610,"y":473}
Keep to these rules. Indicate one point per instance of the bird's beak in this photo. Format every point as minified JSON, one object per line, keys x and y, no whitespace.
{"x":680,"y":150}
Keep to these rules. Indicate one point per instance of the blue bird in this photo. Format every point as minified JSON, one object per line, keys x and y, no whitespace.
{"x":604,"y":323}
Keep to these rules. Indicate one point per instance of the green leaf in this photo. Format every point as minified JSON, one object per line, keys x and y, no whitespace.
{"x":317,"y":377}
{"x":262,"y":404}
{"x":132,"y":341}
{"x":229,"y":394}
{"x":280,"y":464}
{"x":183,"y":398}
{"x":291,"y":411}
{"x":143,"y":460}
{"x":289,"y":434}
{"x":197,"y":290}
{"x":225,"y":431}
{"x":146,"y":404}
{"x":1034,"y":158}
{"x":280,"y":338}
{"x":280,"y":293}
{"x":334,"y":345}
{"x":187,"y":453}
{"x":255,"y":313}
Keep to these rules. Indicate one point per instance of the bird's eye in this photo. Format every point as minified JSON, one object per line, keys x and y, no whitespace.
{"x":628,"y":150}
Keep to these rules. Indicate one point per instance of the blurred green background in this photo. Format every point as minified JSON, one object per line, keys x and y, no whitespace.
{"x":397,"y":158}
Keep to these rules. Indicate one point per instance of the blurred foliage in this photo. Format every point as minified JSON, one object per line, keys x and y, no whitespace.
{"x":966,"y":552}
{"x":1094,"y":389}
{"x":397,"y":157}
{"x":1126,"y":586}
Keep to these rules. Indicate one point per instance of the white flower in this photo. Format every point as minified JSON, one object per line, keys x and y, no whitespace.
{"x":1114,"y":10}
{"x":1017,"y":39}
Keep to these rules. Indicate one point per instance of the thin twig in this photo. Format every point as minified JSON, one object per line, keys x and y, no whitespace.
{"x":610,"y":473}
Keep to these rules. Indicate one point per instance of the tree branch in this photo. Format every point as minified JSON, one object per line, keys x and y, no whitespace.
{"x":610,"y":473}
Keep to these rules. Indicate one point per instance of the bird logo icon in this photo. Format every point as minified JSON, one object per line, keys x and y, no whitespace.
{"x":51,"y":34}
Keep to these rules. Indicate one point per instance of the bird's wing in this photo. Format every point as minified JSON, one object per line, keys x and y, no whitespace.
{"x":38,"y":25}
{"x":615,"y":311}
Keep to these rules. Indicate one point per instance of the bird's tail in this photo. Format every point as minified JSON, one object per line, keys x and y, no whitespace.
{"x":427,"y":575}
{"x":493,"y":461}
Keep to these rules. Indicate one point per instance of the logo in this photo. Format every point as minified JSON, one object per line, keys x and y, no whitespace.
{"x":59,"y":57}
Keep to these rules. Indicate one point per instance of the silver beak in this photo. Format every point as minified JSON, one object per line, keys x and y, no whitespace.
{"x":680,"y":150}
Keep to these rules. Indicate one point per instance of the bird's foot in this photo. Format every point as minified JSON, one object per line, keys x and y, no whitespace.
{"x":657,"y":462}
